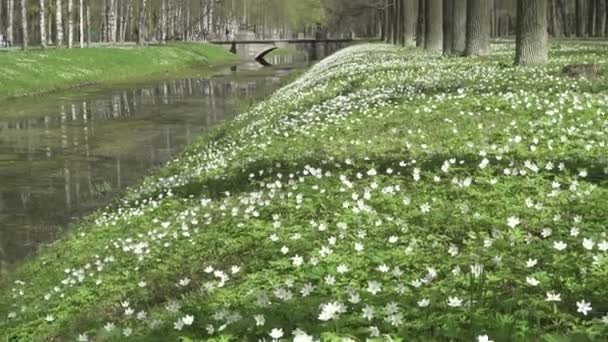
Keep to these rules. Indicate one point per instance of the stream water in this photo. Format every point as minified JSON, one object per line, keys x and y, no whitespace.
{"x":66,"y":154}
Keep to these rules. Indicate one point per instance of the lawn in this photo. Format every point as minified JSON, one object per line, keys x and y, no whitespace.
{"x":384,"y":193}
{"x":39,"y":71}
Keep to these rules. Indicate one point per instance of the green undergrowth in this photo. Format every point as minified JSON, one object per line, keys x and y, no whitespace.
{"x":384,"y":193}
{"x":39,"y":71}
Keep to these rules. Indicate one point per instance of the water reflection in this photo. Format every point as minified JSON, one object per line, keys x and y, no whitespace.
{"x":70,"y":155}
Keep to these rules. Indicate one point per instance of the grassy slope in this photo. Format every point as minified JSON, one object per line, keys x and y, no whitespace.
{"x":339,"y":168}
{"x":36,"y":71}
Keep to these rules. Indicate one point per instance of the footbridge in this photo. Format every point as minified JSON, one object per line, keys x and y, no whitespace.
{"x":256,"y":50}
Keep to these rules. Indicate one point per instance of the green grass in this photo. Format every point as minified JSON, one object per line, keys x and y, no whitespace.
{"x":40,"y":71}
{"x":447,"y":196}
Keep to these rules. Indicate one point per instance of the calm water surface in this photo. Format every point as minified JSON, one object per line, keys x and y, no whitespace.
{"x":64,"y":155}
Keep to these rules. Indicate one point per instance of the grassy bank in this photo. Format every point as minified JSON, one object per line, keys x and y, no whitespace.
{"x":384,"y":192}
{"x":39,"y":71}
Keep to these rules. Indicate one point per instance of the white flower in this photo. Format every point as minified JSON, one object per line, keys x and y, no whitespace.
{"x":588,"y":244}
{"x":425,"y":208}
{"x":605,"y":319}
{"x":178,"y":325}
{"x":297,"y":260}
{"x":483,"y":338}
{"x":476,"y":270}
{"x":454,"y":302}
{"x":276,"y":333}
{"x":300,"y":336}
{"x":532,"y":281}
{"x":127,"y":332}
{"x":342,"y":269}
{"x":260,"y":320}
{"x":368,"y":312}
{"x":513,"y":221}
{"x":531,"y":263}
{"x":331,"y":311}
{"x":560,"y":245}
{"x":553,"y":297}
{"x":83,"y":338}
{"x":583,"y":307}
{"x":49,"y":318}
{"x":423,"y":303}
{"x":184,"y":282}
{"x":109,"y":327}
{"x":188,"y":319}
{"x":374,"y":287}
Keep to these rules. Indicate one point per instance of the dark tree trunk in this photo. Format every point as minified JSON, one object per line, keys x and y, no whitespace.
{"x":459,"y":27}
{"x":421,"y":28}
{"x":600,"y":22}
{"x":478,"y":28}
{"x":581,"y":26}
{"x":531,"y":46}
{"x":141,"y":24}
{"x":591,"y":18}
{"x":433,"y":40}
{"x":409,"y":25}
{"x":448,"y":9}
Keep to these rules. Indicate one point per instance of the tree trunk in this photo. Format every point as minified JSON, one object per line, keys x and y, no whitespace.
{"x":24,"y":37}
{"x":421,"y":25}
{"x":70,"y":23}
{"x":88,"y":24}
{"x":163,"y":22}
{"x":434,"y":26}
{"x":531,"y":45}
{"x":478,"y":28}
{"x":42,"y":24}
{"x":141,"y":24}
{"x":459,"y":27}
{"x":10,"y":12}
{"x":111,"y":22}
{"x":81,"y":23}
{"x":409,"y":29}
{"x":600,"y":22}
{"x":591,"y":18}
{"x":448,"y":9}
{"x":581,"y":26}
{"x":58,"y":24}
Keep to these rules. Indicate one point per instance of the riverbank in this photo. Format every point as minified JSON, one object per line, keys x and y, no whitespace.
{"x":41,"y":71}
{"x":385,"y":191}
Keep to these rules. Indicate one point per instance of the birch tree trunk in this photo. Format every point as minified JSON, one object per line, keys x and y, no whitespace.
{"x":88,"y":24}
{"x":42,"y":24}
{"x":10,"y":12}
{"x":81,"y":23}
{"x":163,"y":21}
{"x":459,"y":27}
{"x":478,"y":28}
{"x":111,"y":22}
{"x":58,"y":24}
{"x":531,"y":45}
{"x":24,"y":24}
{"x":70,"y":23}
{"x":141,"y":24}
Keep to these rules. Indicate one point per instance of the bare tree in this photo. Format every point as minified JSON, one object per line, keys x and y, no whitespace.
{"x":111,"y":22}
{"x":531,"y":45}
{"x":42,"y":24}
{"x":478,"y":28}
{"x":421,"y":25}
{"x":434,"y":26}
